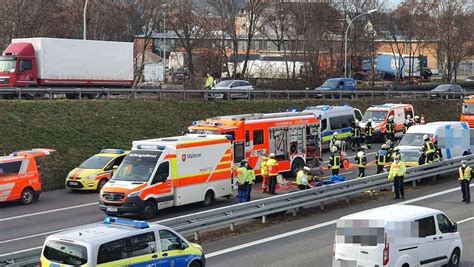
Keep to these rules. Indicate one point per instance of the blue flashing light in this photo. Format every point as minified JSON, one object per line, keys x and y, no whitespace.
{"x":126,"y":222}
{"x":194,"y":123}
{"x":325,"y":107}
{"x":112,"y":151}
{"x":161,"y":147}
{"x":292,"y":110}
{"x":229,"y":137}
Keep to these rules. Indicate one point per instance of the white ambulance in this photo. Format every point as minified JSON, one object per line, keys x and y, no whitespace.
{"x":167,"y":172}
{"x":399,"y":236}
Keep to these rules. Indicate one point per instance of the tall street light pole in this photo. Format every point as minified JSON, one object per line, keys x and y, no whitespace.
{"x":85,"y":19}
{"x":345,"y":37}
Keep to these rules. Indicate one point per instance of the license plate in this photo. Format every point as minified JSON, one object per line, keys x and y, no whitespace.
{"x":73,"y":183}
{"x":112,"y":209}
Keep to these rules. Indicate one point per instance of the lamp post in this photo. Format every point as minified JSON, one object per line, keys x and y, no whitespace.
{"x":85,"y":19}
{"x":347,"y":31}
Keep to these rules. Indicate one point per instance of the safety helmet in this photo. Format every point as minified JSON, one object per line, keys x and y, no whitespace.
{"x":417,"y":117}
{"x":384,"y":146}
{"x":357,"y":122}
{"x":337,"y":143}
{"x":397,"y":149}
{"x":463,"y":162}
{"x":334,"y":149}
{"x":360,"y":154}
{"x":408,"y":116}
{"x":391,"y":117}
{"x":306,"y":168}
{"x":334,"y":134}
{"x":272,"y":155}
{"x":369,"y":120}
{"x":388,"y":142}
{"x":426,"y":137}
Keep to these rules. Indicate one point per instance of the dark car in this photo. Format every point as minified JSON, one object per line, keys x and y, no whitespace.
{"x":448,"y":91}
{"x":348,"y":85}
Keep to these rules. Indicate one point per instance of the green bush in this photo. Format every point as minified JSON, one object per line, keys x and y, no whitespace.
{"x":78,"y":129}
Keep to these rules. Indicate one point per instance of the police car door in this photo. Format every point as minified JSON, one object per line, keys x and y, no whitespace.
{"x":173,"y":250}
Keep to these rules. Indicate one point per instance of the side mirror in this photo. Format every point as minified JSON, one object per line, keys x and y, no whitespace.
{"x":115,"y":167}
{"x":183,"y":246}
{"x":455,"y":227}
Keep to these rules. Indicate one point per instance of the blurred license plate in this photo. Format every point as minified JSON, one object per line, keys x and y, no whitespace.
{"x":73,"y":183}
{"x":112,"y":209}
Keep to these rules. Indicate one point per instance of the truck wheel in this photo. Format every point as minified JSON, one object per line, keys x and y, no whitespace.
{"x":148,"y":211}
{"x":208,"y":198}
{"x":454,"y":260}
{"x":296,"y":166}
{"x":27,"y":196}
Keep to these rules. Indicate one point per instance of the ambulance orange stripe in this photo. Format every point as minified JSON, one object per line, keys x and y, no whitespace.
{"x":170,"y":156}
{"x":226,"y":158}
{"x":198,"y":179}
{"x":198,"y":144}
{"x":224,"y":166}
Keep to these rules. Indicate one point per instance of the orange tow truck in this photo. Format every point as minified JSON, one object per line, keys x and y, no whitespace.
{"x":20,"y":178}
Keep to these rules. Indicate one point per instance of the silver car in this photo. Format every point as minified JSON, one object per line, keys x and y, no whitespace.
{"x":237,"y":89}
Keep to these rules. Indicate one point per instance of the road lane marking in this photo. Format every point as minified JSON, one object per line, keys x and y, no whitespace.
{"x":321,"y":225}
{"x":465,"y":220}
{"x":19,"y":251}
{"x":48,"y":211}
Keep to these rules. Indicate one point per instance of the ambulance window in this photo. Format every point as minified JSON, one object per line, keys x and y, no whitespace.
{"x":9,"y":168}
{"x":258,"y":137}
{"x":247,"y":138}
{"x":118,"y":160}
{"x":142,"y":244}
{"x":239,"y":152}
{"x":324,"y":124}
{"x":65,"y":253}
{"x":162,"y":173}
{"x":231,"y":133}
{"x":112,"y":251}
{"x":169,"y":241}
{"x":426,"y":227}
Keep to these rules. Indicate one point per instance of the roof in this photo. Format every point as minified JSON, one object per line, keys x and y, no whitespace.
{"x":433,"y":126}
{"x":172,"y":142}
{"x":327,"y":108}
{"x":111,"y":152}
{"x":96,"y":232}
{"x":396,"y":212}
{"x":261,"y":116}
{"x":388,"y":106}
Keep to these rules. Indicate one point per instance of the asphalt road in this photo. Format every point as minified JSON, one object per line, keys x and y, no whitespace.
{"x":309,"y":242}
{"x":25,"y":227}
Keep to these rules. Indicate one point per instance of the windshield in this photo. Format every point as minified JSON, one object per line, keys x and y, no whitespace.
{"x":409,"y":156}
{"x":137,"y":166}
{"x":413,"y":139}
{"x":441,"y":88}
{"x":330,"y":83}
{"x":376,"y":116}
{"x":65,"y":253}
{"x":95,"y":162}
{"x":224,"y":83}
{"x":468,"y":108}
{"x":7,"y":65}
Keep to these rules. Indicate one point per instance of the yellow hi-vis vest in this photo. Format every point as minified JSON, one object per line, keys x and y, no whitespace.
{"x":264,"y":168}
{"x":429,"y":147}
{"x":466,"y":175}
{"x":335,"y":162}
{"x":250,"y":176}
{"x":300,"y":177}
{"x":361,"y":161}
{"x":272,"y":166}
{"x":241,"y":175}
{"x":397,"y":170}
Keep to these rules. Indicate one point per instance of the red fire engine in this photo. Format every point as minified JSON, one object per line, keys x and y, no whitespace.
{"x":294,"y":137}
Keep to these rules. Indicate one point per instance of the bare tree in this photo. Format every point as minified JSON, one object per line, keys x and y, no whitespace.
{"x":189,"y":27}
{"x":254,"y":10}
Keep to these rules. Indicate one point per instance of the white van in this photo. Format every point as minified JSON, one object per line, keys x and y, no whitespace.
{"x":335,"y":119}
{"x":397,"y":235}
{"x":453,"y":139}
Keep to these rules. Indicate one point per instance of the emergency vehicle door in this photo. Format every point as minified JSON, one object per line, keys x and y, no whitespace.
{"x":13,"y":174}
{"x":162,"y":186}
{"x":174,"y":251}
{"x":313,"y":145}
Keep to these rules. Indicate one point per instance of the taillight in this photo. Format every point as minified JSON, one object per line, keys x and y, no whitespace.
{"x":386,"y":252}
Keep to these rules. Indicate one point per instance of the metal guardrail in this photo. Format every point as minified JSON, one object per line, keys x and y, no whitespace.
{"x":109,"y":93}
{"x":229,"y":215}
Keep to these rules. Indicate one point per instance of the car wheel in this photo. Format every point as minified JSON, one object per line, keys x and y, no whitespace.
{"x":455,"y":257}
{"x":101,"y":184}
{"x":27,"y":196}
{"x":148,"y":211}
{"x":208,"y":198}
{"x":195,"y":264}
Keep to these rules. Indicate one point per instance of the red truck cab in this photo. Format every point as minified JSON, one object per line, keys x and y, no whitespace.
{"x":18,"y":66}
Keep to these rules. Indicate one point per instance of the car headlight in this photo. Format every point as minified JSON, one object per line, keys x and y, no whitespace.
{"x":90,"y":177}
{"x":134,"y":194}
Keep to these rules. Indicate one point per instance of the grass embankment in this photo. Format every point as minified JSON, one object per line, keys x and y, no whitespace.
{"x":78,"y":129}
